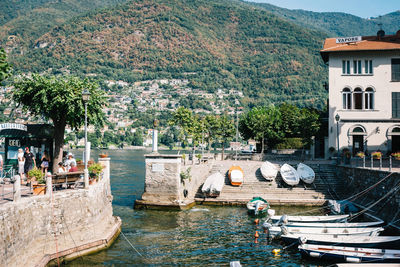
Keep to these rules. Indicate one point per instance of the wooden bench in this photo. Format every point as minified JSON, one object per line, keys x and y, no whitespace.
{"x":245,"y":156}
{"x":67,"y":178}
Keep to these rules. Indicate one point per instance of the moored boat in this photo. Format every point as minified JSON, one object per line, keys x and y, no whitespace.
{"x":335,"y":225}
{"x":257,"y":206}
{"x":268,"y":171}
{"x":306,"y":174}
{"x":350,"y":254}
{"x":284,"y":219}
{"x":364,"y":231}
{"x":289,"y":175}
{"x":387,"y":242}
{"x":213,"y":184}
{"x":236,"y":175}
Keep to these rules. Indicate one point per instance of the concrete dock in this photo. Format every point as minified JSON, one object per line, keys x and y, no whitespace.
{"x":326,"y":185}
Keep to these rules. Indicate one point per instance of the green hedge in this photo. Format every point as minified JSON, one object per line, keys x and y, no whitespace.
{"x":291,"y":143}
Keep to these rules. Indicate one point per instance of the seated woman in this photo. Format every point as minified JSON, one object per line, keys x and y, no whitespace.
{"x":61,"y":168}
{"x":73,"y":167}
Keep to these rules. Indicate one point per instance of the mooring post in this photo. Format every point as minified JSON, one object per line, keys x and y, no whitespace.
{"x":49,"y":184}
{"x":390,"y":163}
{"x":363,"y":161}
{"x":380,"y":163}
{"x":372,"y":162}
{"x":17,"y":189}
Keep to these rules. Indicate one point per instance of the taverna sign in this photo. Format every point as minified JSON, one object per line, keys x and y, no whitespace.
{"x":343,"y":40}
{"x":16,"y":126}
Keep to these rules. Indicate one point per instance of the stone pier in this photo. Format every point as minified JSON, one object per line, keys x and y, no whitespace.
{"x":58,"y":226}
{"x":164,"y":187}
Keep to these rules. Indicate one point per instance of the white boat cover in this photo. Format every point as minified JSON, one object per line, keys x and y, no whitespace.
{"x":268,"y":171}
{"x":309,"y":219}
{"x":334,"y":224}
{"x":306,"y":174}
{"x":213,"y":184}
{"x":237,"y":176}
{"x":289,"y":175}
{"x":351,"y":239}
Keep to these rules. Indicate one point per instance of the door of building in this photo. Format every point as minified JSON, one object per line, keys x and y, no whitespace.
{"x":395,"y":143}
{"x":358,"y":144}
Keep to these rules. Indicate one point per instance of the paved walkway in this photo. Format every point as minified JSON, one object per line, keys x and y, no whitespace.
{"x":7,"y":189}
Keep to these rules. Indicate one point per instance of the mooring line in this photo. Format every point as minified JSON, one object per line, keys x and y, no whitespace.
{"x":131,"y":244}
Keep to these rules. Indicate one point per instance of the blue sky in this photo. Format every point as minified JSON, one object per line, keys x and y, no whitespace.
{"x":361,"y":8}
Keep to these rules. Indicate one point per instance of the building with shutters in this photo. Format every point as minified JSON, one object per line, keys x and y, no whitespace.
{"x":364,"y":92}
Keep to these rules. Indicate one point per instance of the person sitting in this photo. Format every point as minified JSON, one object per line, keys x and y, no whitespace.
{"x":61,"y":168}
{"x":73,"y":167}
{"x":70,"y":161}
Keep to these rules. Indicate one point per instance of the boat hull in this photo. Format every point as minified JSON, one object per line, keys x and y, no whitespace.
{"x":257,"y":207}
{"x":236,"y":175}
{"x":348,"y":254}
{"x":310,"y":219}
{"x":306,"y":174}
{"x":268,"y":171}
{"x":289,"y":175}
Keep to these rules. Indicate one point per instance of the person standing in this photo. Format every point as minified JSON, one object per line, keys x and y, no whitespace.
{"x":45,"y":162}
{"x":30,"y":161}
{"x":21,"y":163}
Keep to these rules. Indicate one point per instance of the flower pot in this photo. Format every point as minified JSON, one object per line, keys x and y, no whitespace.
{"x":39,"y":189}
{"x":103,"y":156}
{"x":92,"y":181}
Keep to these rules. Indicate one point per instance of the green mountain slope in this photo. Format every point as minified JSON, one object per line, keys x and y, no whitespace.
{"x":335,"y":23}
{"x":21,"y":22}
{"x":213,"y":43}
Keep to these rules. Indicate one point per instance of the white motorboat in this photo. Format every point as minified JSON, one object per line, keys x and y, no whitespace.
{"x":365,"y":231}
{"x":213,"y":184}
{"x":289,"y":175}
{"x":284,"y":219}
{"x":306,"y":174}
{"x":350,"y":254}
{"x":335,"y":225}
{"x":268,"y":171}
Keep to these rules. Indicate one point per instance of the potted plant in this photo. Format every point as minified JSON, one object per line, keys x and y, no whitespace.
{"x":360,"y":154}
{"x":94,"y":171}
{"x":103,"y":155}
{"x":396,"y":155}
{"x":376,"y":154}
{"x":37,"y":180}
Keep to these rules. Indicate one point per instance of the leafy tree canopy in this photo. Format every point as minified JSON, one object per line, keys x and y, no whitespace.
{"x":5,"y":68}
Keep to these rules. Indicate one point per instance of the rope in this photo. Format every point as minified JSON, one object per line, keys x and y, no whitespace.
{"x":131,"y":244}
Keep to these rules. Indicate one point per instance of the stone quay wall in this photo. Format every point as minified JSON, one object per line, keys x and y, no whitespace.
{"x":59,"y":226}
{"x":359,"y":179}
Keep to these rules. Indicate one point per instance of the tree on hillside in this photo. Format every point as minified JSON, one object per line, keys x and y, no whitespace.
{"x":261,"y":123}
{"x":5,"y":68}
{"x":60,"y":100}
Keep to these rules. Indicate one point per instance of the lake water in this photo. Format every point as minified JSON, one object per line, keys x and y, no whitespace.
{"x":202,"y":236}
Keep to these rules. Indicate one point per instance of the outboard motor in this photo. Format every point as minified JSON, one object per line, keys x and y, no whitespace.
{"x":284,"y":230}
{"x":283,"y":220}
{"x":257,"y":207}
{"x":302,"y":240}
{"x":271,"y":212}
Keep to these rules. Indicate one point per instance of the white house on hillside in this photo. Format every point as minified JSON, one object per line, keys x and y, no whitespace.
{"x":364,"y":92}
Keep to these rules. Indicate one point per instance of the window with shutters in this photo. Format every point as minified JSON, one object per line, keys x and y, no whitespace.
{"x":395,"y":105}
{"x":395,"y":69}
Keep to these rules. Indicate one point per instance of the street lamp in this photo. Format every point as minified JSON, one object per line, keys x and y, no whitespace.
{"x":85,"y":98}
{"x":337,"y":118}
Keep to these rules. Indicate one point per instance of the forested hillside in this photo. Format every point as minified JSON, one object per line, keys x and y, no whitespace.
{"x":213,"y":43}
{"x":334,"y":23}
{"x":22,"y":21}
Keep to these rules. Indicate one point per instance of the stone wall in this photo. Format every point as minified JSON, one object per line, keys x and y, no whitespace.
{"x":66,"y":223}
{"x":358,"y":179}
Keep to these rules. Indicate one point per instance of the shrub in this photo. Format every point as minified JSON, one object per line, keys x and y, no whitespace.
{"x":291,"y":143}
{"x":37,"y":174}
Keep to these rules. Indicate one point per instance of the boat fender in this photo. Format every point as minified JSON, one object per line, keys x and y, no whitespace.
{"x":276,"y":251}
{"x":185,"y":193}
{"x":302,"y":240}
{"x":315,"y":254}
{"x":353,"y":259}
{"x":284,"y":230}
{"x":283,"y":220}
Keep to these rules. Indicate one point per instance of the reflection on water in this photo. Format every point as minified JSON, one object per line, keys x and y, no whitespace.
{"x":201,"y":236}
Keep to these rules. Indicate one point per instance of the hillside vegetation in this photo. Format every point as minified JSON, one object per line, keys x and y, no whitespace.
{"x":214,"y":44}
{"x":335,"y":23}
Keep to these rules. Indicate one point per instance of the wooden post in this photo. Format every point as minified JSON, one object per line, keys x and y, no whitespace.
{"x":390,"y":163}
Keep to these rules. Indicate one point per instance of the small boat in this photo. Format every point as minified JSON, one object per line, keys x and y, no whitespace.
{"x":257,"y":206}
{"x":289,"y":175}
{"x":306,"y":174}
{"x":387,"y":242}
{"x":268,"y":171}
{"x":371,"y":231}
{"x":335,"y":225}
{"x":236,"y":175}
{"x":284,"y":219}
{"x":350,"y":254}
{"x":213,"y":185}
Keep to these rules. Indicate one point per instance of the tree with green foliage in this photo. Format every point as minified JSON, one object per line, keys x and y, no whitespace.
{"x":5,"y":68}
{"x":262,"y":123}
{"x":59,"y":99}
{"x":185,"y":120}
{"x":226,"y":131}
{"x":137,"y":139}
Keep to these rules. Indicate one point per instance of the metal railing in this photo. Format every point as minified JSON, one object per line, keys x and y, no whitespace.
{"x":383,"y":163}
{"x":7,"y":183}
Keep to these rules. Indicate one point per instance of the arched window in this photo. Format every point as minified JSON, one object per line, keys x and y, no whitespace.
{"x":358,"y":98}
{"x":346,"y":98}
{"x":369,"y":98}
{"x":358,"y":130}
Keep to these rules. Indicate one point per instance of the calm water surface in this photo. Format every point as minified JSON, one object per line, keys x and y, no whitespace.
{"x":202,"y":236}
